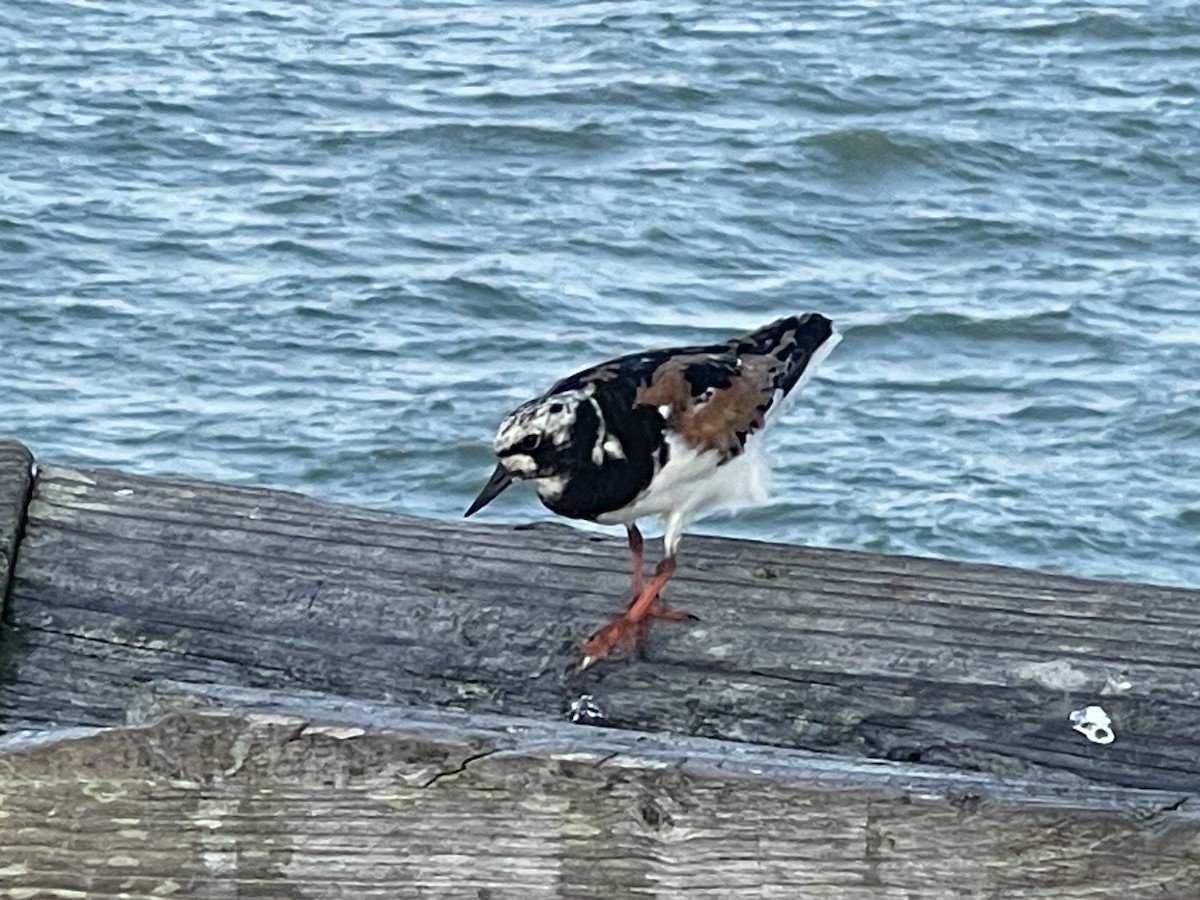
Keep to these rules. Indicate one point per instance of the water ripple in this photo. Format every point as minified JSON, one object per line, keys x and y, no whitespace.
{"x":325,"y":246}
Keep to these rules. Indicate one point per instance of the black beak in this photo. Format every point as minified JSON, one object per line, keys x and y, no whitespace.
{"x":500,"y":479}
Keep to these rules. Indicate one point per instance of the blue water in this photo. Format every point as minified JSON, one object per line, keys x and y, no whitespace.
{"x":326,"y":246}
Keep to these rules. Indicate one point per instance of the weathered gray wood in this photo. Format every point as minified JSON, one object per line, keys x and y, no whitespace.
{"x":245,"y":794}
{"x":123,"y":579}
{"x":16,"y":471}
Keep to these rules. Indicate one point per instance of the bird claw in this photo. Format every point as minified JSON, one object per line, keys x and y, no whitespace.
{"x":660,"y":611}
{"x":623,"y":632}
{"x":627,"y":630}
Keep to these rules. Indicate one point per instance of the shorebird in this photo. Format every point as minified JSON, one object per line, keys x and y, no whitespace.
{"x":671,"y":433}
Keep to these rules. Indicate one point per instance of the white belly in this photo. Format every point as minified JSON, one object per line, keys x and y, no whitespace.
{"x":692,"y":483}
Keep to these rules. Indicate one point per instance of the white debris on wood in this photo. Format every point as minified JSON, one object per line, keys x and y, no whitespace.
{"x":1094,"y":724}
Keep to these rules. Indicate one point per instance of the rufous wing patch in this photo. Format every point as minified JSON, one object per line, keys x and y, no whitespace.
{"x":718,"y":415}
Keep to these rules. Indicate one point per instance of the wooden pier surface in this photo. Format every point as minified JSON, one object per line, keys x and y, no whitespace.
{"x":837,"y":724}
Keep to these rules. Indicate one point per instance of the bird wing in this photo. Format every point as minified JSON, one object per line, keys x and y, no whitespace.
{"x":717,"y":397}
{"x":713,"y":396}
{"x":714,"y":401}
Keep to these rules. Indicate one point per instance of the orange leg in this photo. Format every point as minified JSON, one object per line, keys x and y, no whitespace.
{"x":628,"y":629}
{"x":636,"y":545}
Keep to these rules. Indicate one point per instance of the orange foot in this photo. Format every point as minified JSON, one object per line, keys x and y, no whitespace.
{"x":627,"y":631}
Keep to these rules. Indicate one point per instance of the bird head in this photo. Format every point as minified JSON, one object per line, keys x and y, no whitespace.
{"x":534,"y":441}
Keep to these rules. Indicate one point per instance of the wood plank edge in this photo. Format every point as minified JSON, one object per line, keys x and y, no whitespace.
{"x":16,"y":488}
{"x":1155,"y":813}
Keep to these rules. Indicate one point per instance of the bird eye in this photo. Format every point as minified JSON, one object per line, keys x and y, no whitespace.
{"x":529,"y":442}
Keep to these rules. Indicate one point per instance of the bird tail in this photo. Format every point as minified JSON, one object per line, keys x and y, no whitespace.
{"x":800,"y":343}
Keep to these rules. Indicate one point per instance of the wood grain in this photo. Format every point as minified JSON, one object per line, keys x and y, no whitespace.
{"x":218,"y":792}
{"x":124,"y":579}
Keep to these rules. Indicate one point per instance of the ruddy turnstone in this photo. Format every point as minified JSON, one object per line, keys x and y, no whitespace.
{"x":663,"y":432}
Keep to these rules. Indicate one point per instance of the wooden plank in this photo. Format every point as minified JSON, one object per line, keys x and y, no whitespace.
{"x":16,"y":473}
{"x":124,"y":579}
{"x":236,"y":793}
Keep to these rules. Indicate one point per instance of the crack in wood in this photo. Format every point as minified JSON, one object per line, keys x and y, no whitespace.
{"x":460,"y":768}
